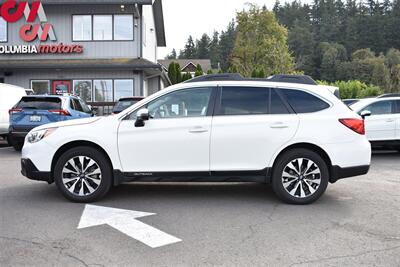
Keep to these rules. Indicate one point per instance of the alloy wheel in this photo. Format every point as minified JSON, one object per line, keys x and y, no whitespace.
{"x":81,"y":176}
{"x":301,"y":177}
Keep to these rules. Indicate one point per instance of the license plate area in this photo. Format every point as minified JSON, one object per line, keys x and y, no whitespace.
{"x":35,"y":118}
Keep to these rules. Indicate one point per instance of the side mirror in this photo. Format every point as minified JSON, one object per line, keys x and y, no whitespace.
{"x":365,"y":113}
{"x":142,"y":116}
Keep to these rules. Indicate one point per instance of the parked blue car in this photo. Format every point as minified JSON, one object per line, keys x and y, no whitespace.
{"x":33,"y":111}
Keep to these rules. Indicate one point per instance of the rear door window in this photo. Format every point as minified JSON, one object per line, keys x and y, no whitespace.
{"x":40,"y":103}
{"x":77,"y":105}
{"x":303,"y":102}
{"x":244,"y":101}
{"x":381,"y":108}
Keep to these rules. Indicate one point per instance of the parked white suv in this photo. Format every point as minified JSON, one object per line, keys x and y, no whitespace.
{"x":383,"y":121}
{"x":296,"y":137}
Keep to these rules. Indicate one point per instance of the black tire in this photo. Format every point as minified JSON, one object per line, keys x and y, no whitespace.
{"x":105,"y":169}
{"x":281,"y":165}
{"x":17,"y":145}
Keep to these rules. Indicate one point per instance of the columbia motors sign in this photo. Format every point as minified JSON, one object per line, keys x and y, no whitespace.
{"x":36,"y":28}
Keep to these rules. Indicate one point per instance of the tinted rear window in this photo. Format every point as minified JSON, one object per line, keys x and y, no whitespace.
{"x":42,"y":103}
{"x":244,"y":101}
{"x":303,"y":102}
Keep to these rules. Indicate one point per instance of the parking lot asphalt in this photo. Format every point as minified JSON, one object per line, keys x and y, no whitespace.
{"x":356,"y":223}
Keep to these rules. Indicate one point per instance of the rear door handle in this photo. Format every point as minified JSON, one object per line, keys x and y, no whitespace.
{"x":390,"y":120}
{"x":279,"y":125}
{"x":198,"y":129}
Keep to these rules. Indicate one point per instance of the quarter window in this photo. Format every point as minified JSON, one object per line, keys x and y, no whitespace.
{"x":181,"y":104}
{"x":244,"y":101}
{"x":82,"y":28}
{"x":303,"y":102}
{"x":3,"y":30}
{"x":102,"y":27}
{"x":381,"y":108}
{"x":123,"y":27}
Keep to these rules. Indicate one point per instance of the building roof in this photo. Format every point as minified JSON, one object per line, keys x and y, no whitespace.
{"x":157,"y":10}
{"x":205,"y":63}
{"x":115,"y":63}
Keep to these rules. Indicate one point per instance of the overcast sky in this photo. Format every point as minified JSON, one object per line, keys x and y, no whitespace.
{"x":195,"y":17}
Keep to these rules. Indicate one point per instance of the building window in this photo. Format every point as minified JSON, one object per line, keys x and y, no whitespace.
{"x":123,"y":88}
{"x":82,"y":28}
{"x":3,"y":30}
{"x":123,"y":27}
{"x":83,"y":88}
{"x":40,"y":87}
{"x":103,"y":90}
{"x":102,"y":27}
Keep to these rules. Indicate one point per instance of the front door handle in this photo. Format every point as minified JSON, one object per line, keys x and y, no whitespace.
{"x":279,"y":125}
{"x":198,"y":129}
{"x":390,"y":120}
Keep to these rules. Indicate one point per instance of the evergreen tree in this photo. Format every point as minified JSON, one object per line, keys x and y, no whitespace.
{"x":189,"y":52}
{"x":199,"y":71}
{"x":172,"y":55}
{"x":203,"y":47}
{"x":172,"y":72}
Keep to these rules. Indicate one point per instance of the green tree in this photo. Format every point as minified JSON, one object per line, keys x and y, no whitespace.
{"x":172,"y":55}
{"x":174,"y":72}
{"x":226,"y":46}
{"x":210,"y":71}
{"x":199,"y":71}
{"x":189,"y":52}
{"x":261,"y":43}
{"x":203,"y":47}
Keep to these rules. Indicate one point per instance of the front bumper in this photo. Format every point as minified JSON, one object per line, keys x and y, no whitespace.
{"x":338,"y":173}
{"x":29,"y":170}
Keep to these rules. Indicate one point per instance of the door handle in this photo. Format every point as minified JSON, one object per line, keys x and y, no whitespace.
{"x":198,"y":129}
{"x":279,"y":125}
{"x":390,"y":120}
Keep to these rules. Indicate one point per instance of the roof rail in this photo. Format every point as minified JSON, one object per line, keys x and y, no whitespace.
{"x":217,"y":77}
{"x":289,"y":78}
{"x":283,"y":78}
{"x":389,"y":95}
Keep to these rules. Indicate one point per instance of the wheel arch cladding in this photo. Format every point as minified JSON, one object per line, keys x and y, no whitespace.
{"x":310,"y":147}
{"x":74,"y":144}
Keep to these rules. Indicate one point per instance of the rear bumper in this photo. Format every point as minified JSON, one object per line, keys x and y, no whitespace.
{"x":29,"y":170}
{"x":338,"y":173}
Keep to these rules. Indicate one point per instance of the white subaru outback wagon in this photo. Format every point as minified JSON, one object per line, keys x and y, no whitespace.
{"x":296,"y":137}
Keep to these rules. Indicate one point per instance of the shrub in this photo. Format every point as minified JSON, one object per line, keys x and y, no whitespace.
{"x":355,"y":89}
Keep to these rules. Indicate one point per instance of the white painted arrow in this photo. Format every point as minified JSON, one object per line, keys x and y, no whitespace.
{"x":125,"y":222}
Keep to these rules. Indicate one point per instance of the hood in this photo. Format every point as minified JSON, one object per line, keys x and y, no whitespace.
{"x":69,"y":123}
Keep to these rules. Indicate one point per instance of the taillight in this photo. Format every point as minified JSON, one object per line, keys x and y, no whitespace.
{"x":60,"y":112}
{"x":357,"y":125}
{"x":14,"y":111}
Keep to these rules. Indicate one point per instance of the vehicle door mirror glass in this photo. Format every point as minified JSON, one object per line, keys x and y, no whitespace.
{"x":141,"y":117}
{"x":365,"y":113}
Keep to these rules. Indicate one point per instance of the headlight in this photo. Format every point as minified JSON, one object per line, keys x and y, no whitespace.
{"x":36,"y":136}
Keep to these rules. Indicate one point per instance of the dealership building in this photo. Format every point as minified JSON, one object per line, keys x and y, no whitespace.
{"x":101,"y":50}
